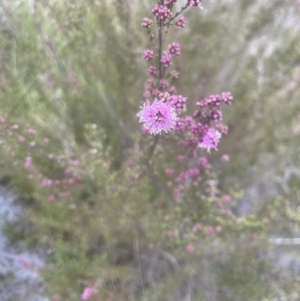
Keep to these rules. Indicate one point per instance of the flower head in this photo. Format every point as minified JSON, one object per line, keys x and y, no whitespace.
{"x":157,"y":117}
{"x":161,"y":12}
{"x":180,"y":23}
{"x":178,"y":102}
{"x":147,"y":23}
{"x":152,"y":70}
{"x":28,"y":162}
{"x":210,"y":139}
{"x":197,"y":227}
{"x":88,"y":292}
{"x":148,"y":55}
{"x":166,"y":59}
{"x":31,"y":131}
{"x":169,"y":172}
{"x":190,"y":248}
{"x":174,"y":48}
{"x":196,"y":3}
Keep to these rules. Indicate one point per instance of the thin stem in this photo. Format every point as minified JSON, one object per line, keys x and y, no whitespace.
{"x":177,"y":14}
{"x":151,"y":150}
{"x":160,"y":44}
{"x":160,"y":50}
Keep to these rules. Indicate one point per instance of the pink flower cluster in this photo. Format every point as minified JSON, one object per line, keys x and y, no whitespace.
{"x":166,"y":59}
{"x":147,"y":23}
{"x":169,"y":3}
{"x":174,"y":48}
{"x":180,"y":23}
{"x":196,"y":3}
{"x":28,"y":162}
{"x":161,"y":12}
{"x":190,"y":248}
{"x":152,"y":70}
{"x":191,"y":172}
{"x":32,"y":143}
{"x":163,"y":84}
{"x":178,"y":102}
{"x":148,"y":55}
{"x":210,"y":140}
{"x":198,"y":129}
{"x":88,"y":292}
{"x":204,"y":163}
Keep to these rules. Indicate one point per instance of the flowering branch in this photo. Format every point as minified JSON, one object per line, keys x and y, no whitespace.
{"x":163,"y":110}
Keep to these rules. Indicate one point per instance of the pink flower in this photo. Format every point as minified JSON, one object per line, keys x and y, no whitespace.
{"x":190,"y":248}
{"x":225,"y":158}
{"x":210,"y":140}
{"x":163,"y":84}
{"x":147,"y":23}
{"x":222,"y":128}
{"x":161,"y":12}
{"x":2,"y":120}
{"x":180,"y":22}
{"x":88,"y":292}
{"x":197,"y":227}
{"x":1,"y":142}
{"x":227,"y":97}
{"x":219,"y":229}
{"x":196,"y":3}
{"x":15,"y":127}
{"x":46,"y":140}
{"x":21,"y":139}
{"x":158,"y":117}
{"x":210,"y":231}
{"x":169,"y":172}
{"x":203,"y":161}
{"x":152,"y":70}
{"x":47,"y":182}
{"x":174,"y":74}
{"x":173,"y":233}
{"x":227,"y":198}
{"x":76,"y":162}
{"x":31,"y":131}
{"x":28,"y":162}
{"x":176,"y":194}
{"x":169,"y":2}
{"x":155,"y":92}
{"x":179,"y":102}
{"x":51,"y":198}
{"x":166,"y":59}
{"x":180,"y":158}
{"x":32,"y":143}
{"x":174,"y":48}
{"x":148,"y":55}
{"x":193,"y":172}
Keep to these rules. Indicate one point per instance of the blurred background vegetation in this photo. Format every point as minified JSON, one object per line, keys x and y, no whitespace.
{"x":73,"y":71}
